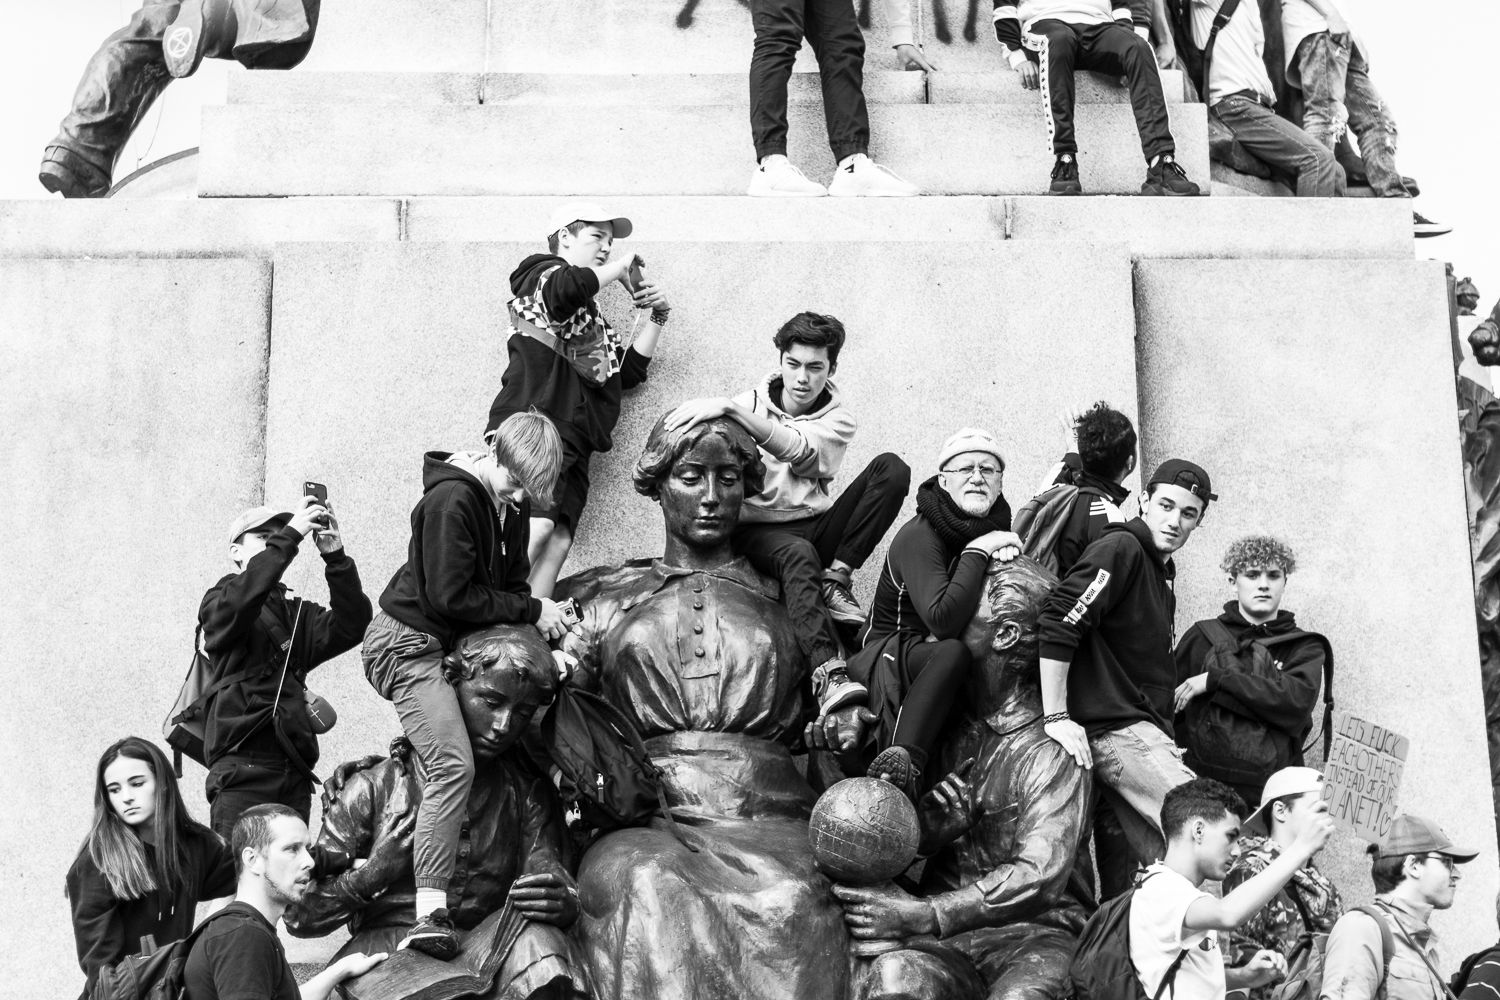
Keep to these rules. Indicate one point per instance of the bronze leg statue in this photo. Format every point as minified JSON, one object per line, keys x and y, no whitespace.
{"x":131,"y":69}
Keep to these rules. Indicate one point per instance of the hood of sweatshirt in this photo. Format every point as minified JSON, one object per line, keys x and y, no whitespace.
{"x":458,"y":466}
{"x":772,"y":385}
{"x":527,"y":267}
{"x":1142,"y":534}
{"x":1236,"y":622}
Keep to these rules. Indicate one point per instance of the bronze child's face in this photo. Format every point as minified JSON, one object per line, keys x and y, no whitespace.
{"x":703,"y":492}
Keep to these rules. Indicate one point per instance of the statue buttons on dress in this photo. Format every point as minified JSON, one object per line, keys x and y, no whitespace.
{"x":697,"y":629}
{"x":697,"y":605}
{"x":699,"y":652}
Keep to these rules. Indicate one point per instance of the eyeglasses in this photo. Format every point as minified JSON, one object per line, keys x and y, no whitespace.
{"x":987,"y":472}
{"x":1448,"y":862}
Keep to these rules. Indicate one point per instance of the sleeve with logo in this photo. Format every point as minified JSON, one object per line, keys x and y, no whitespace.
{"x":1090,"y":591}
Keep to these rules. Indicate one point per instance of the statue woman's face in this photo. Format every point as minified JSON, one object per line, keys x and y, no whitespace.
{"x":702,"y":494}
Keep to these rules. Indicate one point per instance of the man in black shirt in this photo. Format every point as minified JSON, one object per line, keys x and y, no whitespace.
{"x":238,"y":956}
{"x":1108,"y":676}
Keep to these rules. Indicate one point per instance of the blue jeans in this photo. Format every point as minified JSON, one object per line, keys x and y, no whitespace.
{"x":1338,"y":94}
{"x":1135,"y":768}
{"x":1280,"y":144}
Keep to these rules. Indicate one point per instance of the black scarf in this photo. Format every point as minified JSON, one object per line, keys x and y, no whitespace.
{"x":954,"y":525}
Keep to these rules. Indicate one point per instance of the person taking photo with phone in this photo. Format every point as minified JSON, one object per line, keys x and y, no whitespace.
{"x":466,"y":569}
{"x":259,"y":740}
{"x":568,"y":361}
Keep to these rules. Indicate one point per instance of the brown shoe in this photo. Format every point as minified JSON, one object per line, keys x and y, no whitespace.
{"x":63,"y":173}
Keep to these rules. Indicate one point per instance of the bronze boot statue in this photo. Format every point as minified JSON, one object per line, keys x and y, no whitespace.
{"x":164,"y":39}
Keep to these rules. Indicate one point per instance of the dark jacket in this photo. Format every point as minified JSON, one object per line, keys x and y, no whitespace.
{"x":926,"y":587}
{"x":1286,"y":701}
{"x":108,"y":929}
{"x":246,"y":618}
{"x":537,"y":375}
{"x":1097,"y":507}
{"x":1111,"y":618}
{"x":464,"y":569}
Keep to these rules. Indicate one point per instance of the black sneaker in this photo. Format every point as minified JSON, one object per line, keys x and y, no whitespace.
{"x":1422,"y":226}
{"x":1167,"y":178}
{"x":1065,"y":176}
{"x":432,"y":935}
{"x":839,"y":600}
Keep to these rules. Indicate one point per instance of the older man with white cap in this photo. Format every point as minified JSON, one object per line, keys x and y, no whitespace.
{"x":929,"y":590}
{"x":1415,"y":870}
{"x":567,"y":361}
{"x":259,"y":740}
{"x":1306,"y":908}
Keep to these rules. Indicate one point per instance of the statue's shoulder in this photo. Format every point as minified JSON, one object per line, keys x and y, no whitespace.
{"x":587,"y":586}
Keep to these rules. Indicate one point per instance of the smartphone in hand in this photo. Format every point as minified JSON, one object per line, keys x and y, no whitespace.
{"x":318,"y":492}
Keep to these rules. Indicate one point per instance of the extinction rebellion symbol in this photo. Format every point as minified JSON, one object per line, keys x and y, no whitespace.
{"x":177,"y":42}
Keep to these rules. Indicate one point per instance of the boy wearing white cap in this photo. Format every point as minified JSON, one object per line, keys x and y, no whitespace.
{"x":931,"y":586}
{"x":567,"y":361}
{"x":259,"y":741}
{"x":1415,"y":871}
{"x":1308,"y":906}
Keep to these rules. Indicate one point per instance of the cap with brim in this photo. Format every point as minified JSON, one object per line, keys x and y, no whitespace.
{"x":1414,"y":835}
{"x":569,"y":212}
{"x":1287,"y":781}
{"x":257,"y":517}
{"x":1182,"y":473}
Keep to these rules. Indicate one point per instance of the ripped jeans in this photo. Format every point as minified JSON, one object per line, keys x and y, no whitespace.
{"x":1134,"y":769}
{"x":1338,"y":93}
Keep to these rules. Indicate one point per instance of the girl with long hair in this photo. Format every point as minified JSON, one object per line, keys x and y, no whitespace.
{"x":145,"y":863}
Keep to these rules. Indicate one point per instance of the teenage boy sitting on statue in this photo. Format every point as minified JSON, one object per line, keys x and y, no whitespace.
{"x":794,"y":529}
{"x":569,"y":362}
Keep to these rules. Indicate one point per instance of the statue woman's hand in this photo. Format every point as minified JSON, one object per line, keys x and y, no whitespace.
{"x":841,"y":730}
{"x":884,"y":912}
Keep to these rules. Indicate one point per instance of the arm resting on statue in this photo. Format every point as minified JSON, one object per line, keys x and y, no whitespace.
{"x":347,"y":832}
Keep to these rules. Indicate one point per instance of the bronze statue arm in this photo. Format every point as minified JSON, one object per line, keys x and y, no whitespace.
{"x":347,"y":832}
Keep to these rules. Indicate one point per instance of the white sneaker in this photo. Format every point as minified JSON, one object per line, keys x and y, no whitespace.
{"x":862,"y":177}
{"x":778,"y":178}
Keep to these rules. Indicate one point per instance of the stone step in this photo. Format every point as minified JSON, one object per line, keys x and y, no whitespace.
{"x":1368,"y":228}
{"x":648,"y":89}
{"x":253,"y":150}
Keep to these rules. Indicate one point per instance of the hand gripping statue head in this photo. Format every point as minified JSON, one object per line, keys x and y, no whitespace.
{"x":502,"y":675}
{"x":701,"y":477}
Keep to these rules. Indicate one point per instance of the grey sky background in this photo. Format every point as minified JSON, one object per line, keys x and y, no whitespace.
{"x":1434,"y":61}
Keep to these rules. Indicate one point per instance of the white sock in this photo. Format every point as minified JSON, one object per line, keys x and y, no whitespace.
{"x":429,"y":900}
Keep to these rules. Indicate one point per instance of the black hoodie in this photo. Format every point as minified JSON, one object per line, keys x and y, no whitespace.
{"x":1097,"y":506}
{"x":1285,"y":701}
{"x":538,"y":376}
{"x":246,"y":617}
{"x":464,"y":569}
{"x":1111,"y":618}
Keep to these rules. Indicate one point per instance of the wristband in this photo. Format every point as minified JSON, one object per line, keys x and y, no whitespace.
{"x":1047,"y":720}
{"x":659,"y":316}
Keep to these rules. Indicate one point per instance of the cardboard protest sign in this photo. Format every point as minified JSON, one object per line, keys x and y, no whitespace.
{"x":1362,"y":778}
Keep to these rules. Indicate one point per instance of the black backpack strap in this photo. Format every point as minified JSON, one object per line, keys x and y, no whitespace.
{"x":1226,"y":11}
{"x":1216,"y":632}
{"x":1170,"y":976}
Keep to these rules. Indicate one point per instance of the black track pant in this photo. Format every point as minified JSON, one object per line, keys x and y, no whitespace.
{"x":1061,"y":48}
{"x":940,"y":669}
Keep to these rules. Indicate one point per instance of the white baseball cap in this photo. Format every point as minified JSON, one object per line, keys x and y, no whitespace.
{"x":569,"y":212}
{"x":1287,"y":781}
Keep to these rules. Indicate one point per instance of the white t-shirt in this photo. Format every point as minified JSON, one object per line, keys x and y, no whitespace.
{"x":1239,"y":51}
{"x":1156,"y":939}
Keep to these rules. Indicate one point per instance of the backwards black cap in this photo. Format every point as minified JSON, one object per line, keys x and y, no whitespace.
{"x":1181,"y":472}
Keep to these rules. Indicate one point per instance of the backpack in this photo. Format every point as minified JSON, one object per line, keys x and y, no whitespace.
{"x":1195,"y":60}
{"x":1461,"y":977}
{"x":1041,"y":520}
{"x":157,"y":974}
{"x":1225,"y":741}
{"x":1304,"y":965}
{"x":606,"y":772}
{"x":186,"y":722}
{"x":1102,"y":968}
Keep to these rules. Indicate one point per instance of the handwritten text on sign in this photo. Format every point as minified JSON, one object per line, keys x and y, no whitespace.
{"x":1362,"y":778}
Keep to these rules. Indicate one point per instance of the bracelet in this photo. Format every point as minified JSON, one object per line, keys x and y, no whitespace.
{"x":1047,"y":720}
{"x":659,"y":316}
